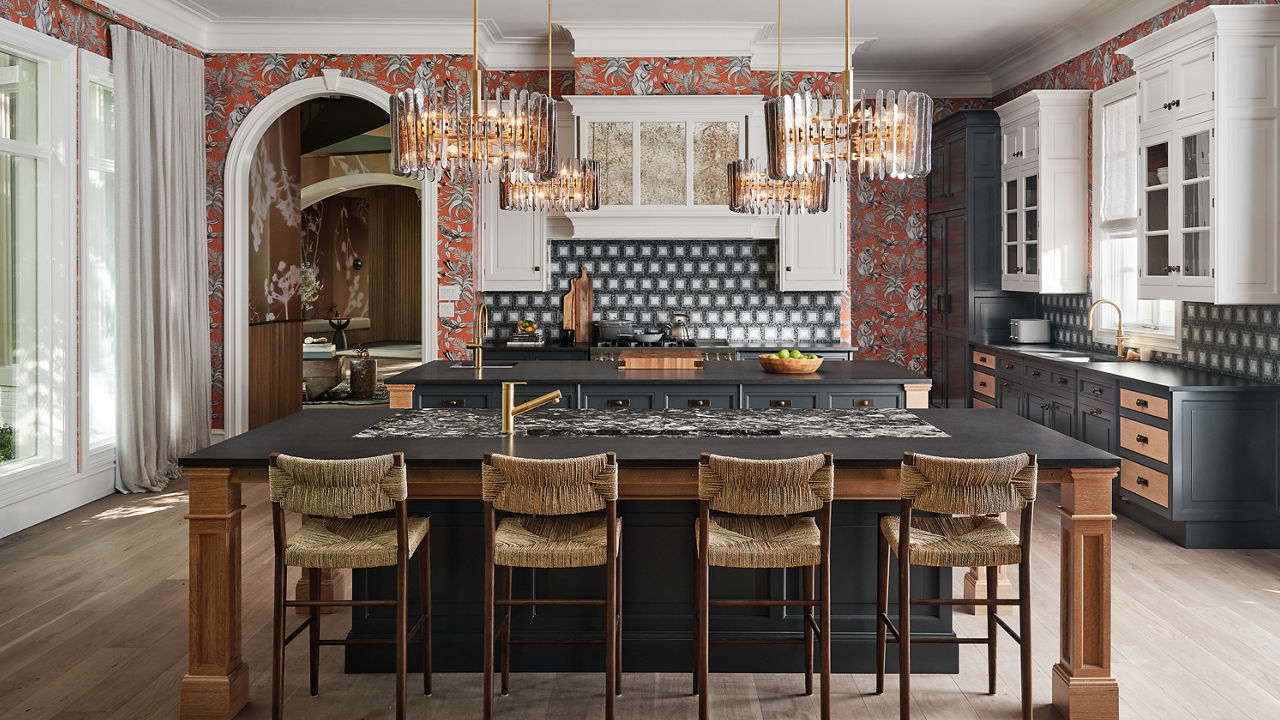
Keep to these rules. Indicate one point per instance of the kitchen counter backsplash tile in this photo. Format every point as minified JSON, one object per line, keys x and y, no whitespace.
{"x":1239,"y":340}
{"x":727,"y":287}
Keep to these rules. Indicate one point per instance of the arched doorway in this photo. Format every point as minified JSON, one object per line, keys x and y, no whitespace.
{"x":236,"y":245}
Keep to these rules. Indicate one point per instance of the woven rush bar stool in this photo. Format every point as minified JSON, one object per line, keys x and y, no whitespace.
{"x":974,"y":491}
{"x":765,"y":529}
{"x":328,"y":493}
{"x":549,"y":528}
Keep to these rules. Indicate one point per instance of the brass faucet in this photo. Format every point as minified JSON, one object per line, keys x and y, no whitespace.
{"x":510,"y":410}
{"x":1120,"y":336}
{"x":480,"y":328}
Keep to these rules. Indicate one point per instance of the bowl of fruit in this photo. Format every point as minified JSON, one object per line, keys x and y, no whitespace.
{"x":790,"y":361}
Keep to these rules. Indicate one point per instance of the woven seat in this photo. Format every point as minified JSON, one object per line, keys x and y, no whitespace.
{"x":956,"y":542}
{"x":764,"y":542}
{"x":350,"y":542}
{"x":553,"y":542}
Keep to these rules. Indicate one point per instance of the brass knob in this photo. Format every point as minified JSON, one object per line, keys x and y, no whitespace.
{"x":788,"y":268}
{"x":537,"y":268}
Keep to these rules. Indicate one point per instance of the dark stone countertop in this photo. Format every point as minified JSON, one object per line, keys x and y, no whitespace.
{"x":804,"y":347}
{"x":330,"y":434}
{"x":589,"y":372}
{"x":1159,"y":375}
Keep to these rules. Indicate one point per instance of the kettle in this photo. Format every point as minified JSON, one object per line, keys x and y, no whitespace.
{"x":678,"y":328}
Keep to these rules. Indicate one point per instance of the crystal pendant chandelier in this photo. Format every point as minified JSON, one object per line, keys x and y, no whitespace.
{"x":472,"y":137}
{"x":885,"y":136}
{"x":571,"y":187}
{"x":752,"y":191}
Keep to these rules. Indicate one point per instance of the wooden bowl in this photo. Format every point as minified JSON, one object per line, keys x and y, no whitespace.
{"x":778,"y":365}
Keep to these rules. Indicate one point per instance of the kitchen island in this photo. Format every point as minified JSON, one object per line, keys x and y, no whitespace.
{"x":658,"y":489}
{"x":724,"y":384}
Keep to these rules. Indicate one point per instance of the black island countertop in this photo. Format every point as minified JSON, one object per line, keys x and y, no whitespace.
{"x":1159,"y":375}
{"x":736,"y":372}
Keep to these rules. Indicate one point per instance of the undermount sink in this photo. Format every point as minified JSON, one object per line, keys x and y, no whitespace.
{"x":1061,"y":355}
{"x":484,"y":366}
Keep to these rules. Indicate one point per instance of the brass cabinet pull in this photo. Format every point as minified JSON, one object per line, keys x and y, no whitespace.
{"x":1062,"y":381}
{"x":699,"y":403}
{"x":1035,"y":373}
{"x":868,"y":402}
{"x":620,"y":402}
{"x":1095,"y":411}
{"x":779,"y":403}
{"x":788,"y":268}
{"x":1046,"y":406}
{"x":1142,"y":439}
{"x":537,"y":268}
{"x":1144,"y":482}
{"x":1004,"y":384}
{"x":1097,"y":391}
{"x":1008,"y":366}
{"x":1140,"y":402}
{"x":453,"y":402}
{"x":982,"y":383}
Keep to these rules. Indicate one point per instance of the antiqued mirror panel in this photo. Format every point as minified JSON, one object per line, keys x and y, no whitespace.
{"x":611,"y":146}
{"x":663,"y":163}
{"x":715,"y":145}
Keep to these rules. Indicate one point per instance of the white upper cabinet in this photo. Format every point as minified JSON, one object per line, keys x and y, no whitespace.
{"x":664,"y":164}
{"x":1209,"y":163}
{"x":1044,"y":193}
{"x":813,"y":250}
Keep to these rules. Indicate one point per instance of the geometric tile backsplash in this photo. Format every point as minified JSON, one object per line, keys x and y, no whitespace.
{"x":1240,"y":340}
{"x":727,"y":287}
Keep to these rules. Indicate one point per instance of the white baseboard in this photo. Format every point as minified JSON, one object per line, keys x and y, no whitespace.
{"x":57,"y":500}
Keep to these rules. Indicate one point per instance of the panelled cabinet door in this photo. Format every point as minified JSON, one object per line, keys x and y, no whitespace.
{"x":813,"y":250}
{"x":513,"y":246}
{"x":1176,"y":254}
{"x":1155,"y":92}
{"x":1195,"y":81}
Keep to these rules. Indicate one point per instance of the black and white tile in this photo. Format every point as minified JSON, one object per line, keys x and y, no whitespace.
{"x":727,"y":287}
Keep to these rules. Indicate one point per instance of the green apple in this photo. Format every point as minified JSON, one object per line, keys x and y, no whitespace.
{"x":774,"y":356}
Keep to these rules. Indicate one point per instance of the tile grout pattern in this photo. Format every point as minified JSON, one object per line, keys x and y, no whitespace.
{"x":727,"y":287}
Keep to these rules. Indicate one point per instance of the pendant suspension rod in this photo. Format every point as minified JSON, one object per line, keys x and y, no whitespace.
{"x":476,"y":90}
{"x":549,"y":93}
{"x":848,"y":60}
{"x":779,"y":48}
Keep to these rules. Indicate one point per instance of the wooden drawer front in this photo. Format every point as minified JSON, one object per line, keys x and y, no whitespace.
{"x":980,"y":404}
{"x":986,"y":360}
{"x":839,"y":401}
{"x":1063,"y":381}
{"x":1011,"y":366}
{"x":1144,"y":439}
{"x":1097,"y":391}
{"x":1038,"y":374}
{"x":984,"y":384}
{"x":1142,"y":480}
{"x":1152,"y":405}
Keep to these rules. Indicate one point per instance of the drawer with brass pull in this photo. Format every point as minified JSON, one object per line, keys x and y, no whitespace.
{"x":986,"y":360}
{"x":763,"y":398}
{"x":607,"y":398}
{"x":1142,"y":480}
{"x":1009,"y":366}
{"x":984,"y":384}
{"x":1152,"y":405}
{"x":721,"y":400}
{"x":1144,"y":439}
{"x":451,"y":400}
{"x":1095,"y":390}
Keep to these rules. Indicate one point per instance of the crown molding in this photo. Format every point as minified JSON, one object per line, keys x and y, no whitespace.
{"x":662,"y":39}
{"x":1089,"y":28}
{"x":499,"y":52}
{"x":935,"y":84}
{"x":340,"y":35}
{"x":800,"y":54}
{"x":175,"y":18}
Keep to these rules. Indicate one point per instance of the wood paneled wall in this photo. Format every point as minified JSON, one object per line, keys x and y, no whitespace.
{"x":275,"y":371}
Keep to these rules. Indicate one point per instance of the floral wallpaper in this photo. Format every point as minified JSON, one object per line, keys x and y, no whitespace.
{"x":275,"y":232}
{"x":689,"y":76}
{"x":508,"y":80}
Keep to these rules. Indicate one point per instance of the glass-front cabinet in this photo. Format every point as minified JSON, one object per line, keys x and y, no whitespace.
{"x":1176,"y":256}
{"x":1022,"y":227}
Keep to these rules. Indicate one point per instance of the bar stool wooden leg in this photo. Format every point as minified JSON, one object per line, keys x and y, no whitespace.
{"x":504,"y":645}
{"x":704,"y":613}
{"x":824,"y":630}
{"x":610,"y":629}
{"x":486,"y":653}
{"x":313,"y":576}
{"x":617,"y":661}
{"x":402,"y":631}
{"x":277,"y":644}
{"x":882,"y":607}
{"x":1024,"y":632}
{"x":806,"y":593}
{"x":904,"y":636}
{"x":424,"y":603}
{"x":697,"y":620}
{"x":993,"y":593}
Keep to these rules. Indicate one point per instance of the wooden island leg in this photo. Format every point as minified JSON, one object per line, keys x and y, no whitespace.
{"x":1083,"y":688}
{"x":217,"y":681}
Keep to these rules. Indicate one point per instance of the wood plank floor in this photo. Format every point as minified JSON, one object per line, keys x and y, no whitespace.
{"x":93,"y":625}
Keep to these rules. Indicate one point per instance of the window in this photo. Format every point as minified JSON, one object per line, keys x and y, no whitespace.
{"x":97,"y":237}
{"x":1149,"y":323}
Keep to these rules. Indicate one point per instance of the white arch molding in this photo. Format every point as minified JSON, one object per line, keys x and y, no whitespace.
{"x":315,"y":192}
{"x":235,"y":301}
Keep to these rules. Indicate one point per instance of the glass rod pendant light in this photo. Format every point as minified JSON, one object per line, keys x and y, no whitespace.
{"x":571,"y":187}
{"x":752,"y":191}
{"x":885,"y":136}
{"x":471,"y":137}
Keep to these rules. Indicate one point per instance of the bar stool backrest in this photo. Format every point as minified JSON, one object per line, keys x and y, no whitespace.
{"x":961,"y":486}
{"x":333,"y":488}
{"x":568,"y":486}
{"x":766,"y":487}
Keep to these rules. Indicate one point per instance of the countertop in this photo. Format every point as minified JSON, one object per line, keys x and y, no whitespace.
{"x":1171,"y":377}
{"x":330,"y":434}
{"x":724,"y":372}
{"x":754,"y":346}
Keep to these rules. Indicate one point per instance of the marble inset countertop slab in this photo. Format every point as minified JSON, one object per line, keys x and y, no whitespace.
{"x":851,"y":423}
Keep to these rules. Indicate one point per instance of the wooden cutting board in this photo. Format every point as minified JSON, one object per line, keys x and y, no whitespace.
{"x":666,"y":359}
{"x":578,"y":306}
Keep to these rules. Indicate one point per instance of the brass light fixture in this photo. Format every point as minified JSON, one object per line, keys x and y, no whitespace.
{"x":472,"y":137}
{"x":886,"y":136}
{"x":572,"y":187}
{"x":752,"y":191}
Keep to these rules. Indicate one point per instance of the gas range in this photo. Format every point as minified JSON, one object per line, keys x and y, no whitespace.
{"x":712,"y":348}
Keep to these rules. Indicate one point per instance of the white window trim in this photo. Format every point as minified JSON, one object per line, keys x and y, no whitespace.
{"x":1104,"y":330}
{"x":55,"y":151}
{"x":94,"y":70}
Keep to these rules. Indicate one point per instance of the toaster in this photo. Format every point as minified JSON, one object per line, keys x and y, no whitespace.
{"x":1029,"y":331}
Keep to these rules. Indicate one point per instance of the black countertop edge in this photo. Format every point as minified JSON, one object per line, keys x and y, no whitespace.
{"x":1151,"y":374}
{"x":592,"y":372}
{"x":747,"y":345}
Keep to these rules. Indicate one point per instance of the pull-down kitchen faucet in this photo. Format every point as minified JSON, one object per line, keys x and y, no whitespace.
{"x":1120,"y":336}
{"x":510,"y":410}
{"x":480,"y":328}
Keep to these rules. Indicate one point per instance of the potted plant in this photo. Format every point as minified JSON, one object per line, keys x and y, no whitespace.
{"x":8,"y":445}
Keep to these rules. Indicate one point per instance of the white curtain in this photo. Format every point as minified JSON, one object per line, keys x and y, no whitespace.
{"x":162,"y":262}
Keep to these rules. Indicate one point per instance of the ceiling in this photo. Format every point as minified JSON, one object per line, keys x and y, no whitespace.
{"x":992,"y":39}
